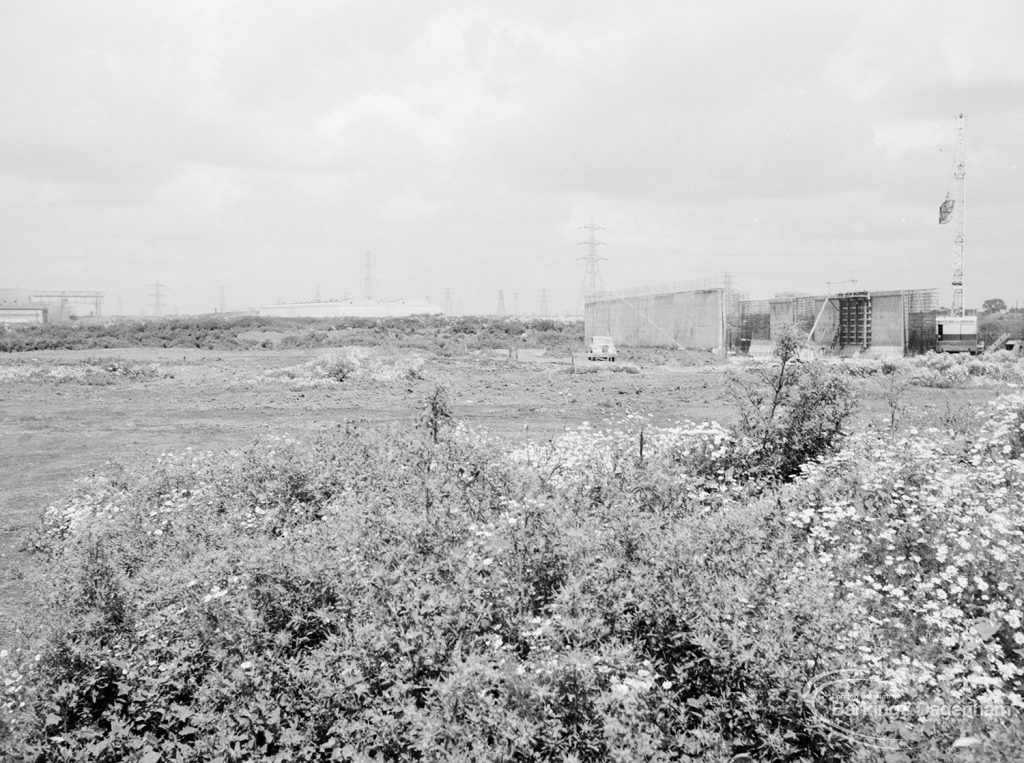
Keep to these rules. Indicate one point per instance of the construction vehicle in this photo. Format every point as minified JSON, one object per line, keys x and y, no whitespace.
{"x":601,"y":348}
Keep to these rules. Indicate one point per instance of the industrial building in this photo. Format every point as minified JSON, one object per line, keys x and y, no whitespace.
{"x":346,"y":308}
{"x":26,"y":306}
{"x":18,"y":307}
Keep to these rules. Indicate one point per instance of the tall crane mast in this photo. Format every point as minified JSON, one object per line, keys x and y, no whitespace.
{"x":954,"y":206}
{"x":957,"y":332}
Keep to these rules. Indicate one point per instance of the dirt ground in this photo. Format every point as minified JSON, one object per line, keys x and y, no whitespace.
{"x":51,"y":433}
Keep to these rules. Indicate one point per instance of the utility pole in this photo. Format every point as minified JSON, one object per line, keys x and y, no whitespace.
{"x":157,"y":296}
{"x":447,"y":301}
{"x":501,"y":303}
{"x":543,"y":303}
{"x":368,"y":262}
{"x":592,"y":276}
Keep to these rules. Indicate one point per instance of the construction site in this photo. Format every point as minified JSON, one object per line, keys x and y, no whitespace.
{"x":863,"y":323}
{"x":712,"y":315}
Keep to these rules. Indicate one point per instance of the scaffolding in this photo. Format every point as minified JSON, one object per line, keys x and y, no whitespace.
{"x":854,"y":320}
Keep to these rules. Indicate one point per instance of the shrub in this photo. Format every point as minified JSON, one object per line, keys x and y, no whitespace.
{"x":360,"y":364}
{"x":792,"y":414}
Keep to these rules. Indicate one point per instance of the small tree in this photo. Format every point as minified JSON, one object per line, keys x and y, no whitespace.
{"x":995,"y":305}
{"x":437,"y":413}
{"x":793,"y":413}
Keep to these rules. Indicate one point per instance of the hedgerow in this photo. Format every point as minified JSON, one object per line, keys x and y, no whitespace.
{"x":432,"y":333}
{"x":628,"y":592}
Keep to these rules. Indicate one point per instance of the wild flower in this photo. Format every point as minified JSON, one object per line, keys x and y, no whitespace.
{"x":931,"y":528}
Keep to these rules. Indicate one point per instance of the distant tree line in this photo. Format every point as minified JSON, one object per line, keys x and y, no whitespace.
{"x":434,"y":333}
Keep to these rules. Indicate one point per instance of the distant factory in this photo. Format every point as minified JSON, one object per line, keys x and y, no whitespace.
{"x":25,"y":306}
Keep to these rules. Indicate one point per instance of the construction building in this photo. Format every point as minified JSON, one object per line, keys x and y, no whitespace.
{"x":692,"y":316}
{"x":346,"y":308}
{"x":872,"y":324}
{"x":708,"y":316}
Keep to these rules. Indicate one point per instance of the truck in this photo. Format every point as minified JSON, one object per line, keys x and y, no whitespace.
{"x":957,"y":333}
{"x":601,"y":348}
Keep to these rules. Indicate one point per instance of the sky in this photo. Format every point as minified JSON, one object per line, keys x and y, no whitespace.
{"x":242,"y":153}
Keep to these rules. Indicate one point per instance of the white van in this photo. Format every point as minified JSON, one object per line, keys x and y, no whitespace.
{"x":601,"y":348}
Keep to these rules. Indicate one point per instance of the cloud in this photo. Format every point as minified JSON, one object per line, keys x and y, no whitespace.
{"x":203,"y":134}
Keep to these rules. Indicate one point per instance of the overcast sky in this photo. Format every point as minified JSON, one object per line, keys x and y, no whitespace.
{"x":263,"y":147}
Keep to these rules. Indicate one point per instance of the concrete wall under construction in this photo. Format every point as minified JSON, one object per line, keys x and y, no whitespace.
{"x":878,"y":324}
{"x":782,"y":314}
{"x":797,"y":311}
{"x":888,"y":323}
{"x":826,"y":315}
{"x":689,"y":319}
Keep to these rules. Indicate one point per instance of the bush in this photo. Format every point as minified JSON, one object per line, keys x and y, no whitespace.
{"x":361,"y":364}
{"x":791,"y":415}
